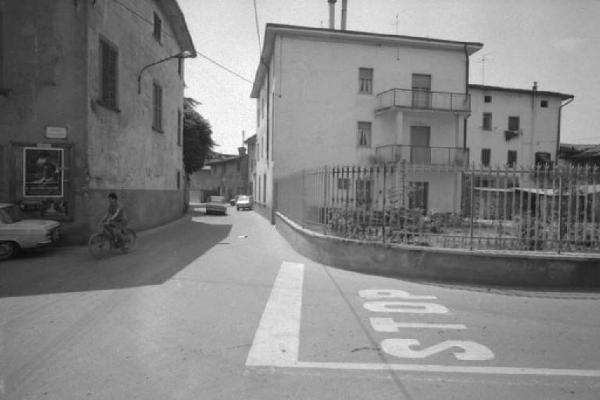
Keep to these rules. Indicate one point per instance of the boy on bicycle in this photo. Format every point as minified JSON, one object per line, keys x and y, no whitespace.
{"x":114,"y":221}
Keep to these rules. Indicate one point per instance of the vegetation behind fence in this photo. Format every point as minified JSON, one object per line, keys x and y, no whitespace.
{"x":542,"y":208}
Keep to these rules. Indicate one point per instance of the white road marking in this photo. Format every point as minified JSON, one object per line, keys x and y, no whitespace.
{"x":406,"y":307}
{"x":388,"y":325}
{"x":403,"y":348}
{"x":373,"y":294}
{"x":277,"y":338}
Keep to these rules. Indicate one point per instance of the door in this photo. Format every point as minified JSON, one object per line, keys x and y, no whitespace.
{"x":421,"y":90}
{"x":420,"y":152}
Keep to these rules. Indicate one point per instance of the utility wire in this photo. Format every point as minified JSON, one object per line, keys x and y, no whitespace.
{"x":257,"y":27}
{"x":224,"y":67}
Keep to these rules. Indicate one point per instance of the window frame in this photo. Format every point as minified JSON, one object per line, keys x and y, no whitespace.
{"x":486,"y":157}
{"x":179,"y":127}
{"x":362,"y":133}
{"x":487,"y":98}
{"x":514,"y":118}
{"x":543,"y":103}
{"x":108,"y":100}
{"x":365,"y":84}
{"x":157,"y":107}
{"x":489,"y":126}
{"x":513,"y":163}
{"x":157,"y":28}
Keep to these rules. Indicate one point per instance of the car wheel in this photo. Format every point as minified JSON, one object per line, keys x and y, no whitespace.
{"x":8,"y":250}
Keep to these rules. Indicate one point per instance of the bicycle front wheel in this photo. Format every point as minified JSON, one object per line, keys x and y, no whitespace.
{"x":99,"y":245}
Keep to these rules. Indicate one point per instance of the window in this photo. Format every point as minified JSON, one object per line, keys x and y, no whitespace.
{"x":487,"y":121}
{"x":487,"y":99}
{"x":157,"y":28}
{"x":486,"y":155}
{"x":512,"y":158}
{"x":179,"y":128}
{"x":178,"y":179}
{"x":180,"y":65}
{"x":157,"y":108}
{"x":513,"y":123}
{"x":343,"y":183}
{"x":364,"y":134}
{"x":363,"y":192}
{"x":365,"y":80}
{"x":108,"y":75}
{"x":544,"y":104}
{"x":417,"y":195}
{"x":543,"y":158}
{"x":421,"y":90}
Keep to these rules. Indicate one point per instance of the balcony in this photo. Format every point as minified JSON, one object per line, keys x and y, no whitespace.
{"x":423,"y":100}
{"x":424,"y":155}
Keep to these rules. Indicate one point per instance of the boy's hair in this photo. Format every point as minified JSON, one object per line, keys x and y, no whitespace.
{"x":112,"y":196}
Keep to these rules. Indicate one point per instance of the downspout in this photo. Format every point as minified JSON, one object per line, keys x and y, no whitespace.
{"x":559,"y":122}
{"x":268,"y":95}
{"x":467,"y":92}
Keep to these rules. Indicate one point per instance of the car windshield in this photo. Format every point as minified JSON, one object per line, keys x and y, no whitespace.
{"x":10,"y":214}
{"x":243,"y":198}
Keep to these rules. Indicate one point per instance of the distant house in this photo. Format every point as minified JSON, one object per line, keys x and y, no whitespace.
{"x":91,"y":102}
{"x":580,"y":154}
{"x":222,"y":175}
{"x":510,"y":127}
{"x":335,"y":97}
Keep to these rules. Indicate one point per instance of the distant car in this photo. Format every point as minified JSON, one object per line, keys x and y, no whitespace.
{"x":17,"y":232}
{"x":216,"y":205}
{"x":244,"y":203}
{"x":233,"y":200}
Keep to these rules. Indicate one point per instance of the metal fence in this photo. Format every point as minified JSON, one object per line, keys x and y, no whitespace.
{"x":555,"y":209}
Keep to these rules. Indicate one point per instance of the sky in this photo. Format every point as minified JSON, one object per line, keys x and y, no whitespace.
{"x":553,"y":42}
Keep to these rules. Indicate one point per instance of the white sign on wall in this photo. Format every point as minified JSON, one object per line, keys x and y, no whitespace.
{"x":56,"y":132}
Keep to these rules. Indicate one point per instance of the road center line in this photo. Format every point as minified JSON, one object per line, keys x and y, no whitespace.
{"x":277,"y":338}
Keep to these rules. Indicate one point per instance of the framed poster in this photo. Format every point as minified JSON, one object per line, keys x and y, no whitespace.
{"x":43,"y":172}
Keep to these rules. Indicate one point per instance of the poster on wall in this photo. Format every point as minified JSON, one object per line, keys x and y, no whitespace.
{"x":43,"y":172}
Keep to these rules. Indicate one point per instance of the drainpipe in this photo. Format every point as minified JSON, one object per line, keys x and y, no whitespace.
{"x":534,"y":90}
{"x":331,"y":13}
{"x":344,"y":12}
{"x":559,"y":122}
{"x":467,"y":92}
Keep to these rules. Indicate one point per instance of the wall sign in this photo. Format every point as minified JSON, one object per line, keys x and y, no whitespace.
{"x":43,"y":172}
{"x":56,"y":132}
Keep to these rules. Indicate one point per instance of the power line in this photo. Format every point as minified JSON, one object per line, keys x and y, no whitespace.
{"x":225,"y":68}
{"x":257,"y":27}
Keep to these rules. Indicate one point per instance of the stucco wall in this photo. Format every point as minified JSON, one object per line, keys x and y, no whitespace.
{"x":539,"y":126}
{"x":124,"y":150}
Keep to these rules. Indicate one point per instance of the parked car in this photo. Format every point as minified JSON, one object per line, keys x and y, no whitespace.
{"x":216,"y":205}
{"x":17,"y":232}
{"x":233,"y":200}
{"x":244,"y":202}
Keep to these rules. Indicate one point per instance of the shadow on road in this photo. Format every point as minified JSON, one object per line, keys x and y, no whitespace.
{"x":158,"y":257}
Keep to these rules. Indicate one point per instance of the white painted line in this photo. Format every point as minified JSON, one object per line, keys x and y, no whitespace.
{"x":388,"y":325}
{"x":591,"y":373}
{"x":277,"y":338}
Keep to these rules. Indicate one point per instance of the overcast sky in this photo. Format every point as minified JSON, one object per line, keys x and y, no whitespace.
{"x":553,"y":42}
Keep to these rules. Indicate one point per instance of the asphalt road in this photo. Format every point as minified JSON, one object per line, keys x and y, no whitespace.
{"x":221,"y":307}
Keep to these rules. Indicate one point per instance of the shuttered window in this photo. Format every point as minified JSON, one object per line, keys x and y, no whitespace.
{"x":157,"y":108}
{"x":108,"y":74}
{"x":486,"y":155}
{"x":513,"y":123}
{"x":421,"y":82}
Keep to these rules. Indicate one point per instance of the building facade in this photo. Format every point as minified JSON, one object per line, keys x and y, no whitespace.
{"x":91,"y":102}
{"x":252,"y":182}
{"x":329,"y":97}
{"x":511,"y":127}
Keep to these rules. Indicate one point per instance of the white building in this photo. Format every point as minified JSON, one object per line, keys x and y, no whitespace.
{"x":336,"y":97}
{"x":514,"y":126}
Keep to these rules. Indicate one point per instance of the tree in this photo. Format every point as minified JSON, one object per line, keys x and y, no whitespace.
{"x":197,"y":137}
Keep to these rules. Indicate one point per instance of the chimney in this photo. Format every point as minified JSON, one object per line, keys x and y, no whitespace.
{"x":535,"y":87}
{"x":344,"y":12}
{"x":331,"y":13}
{"x":242,"y":151}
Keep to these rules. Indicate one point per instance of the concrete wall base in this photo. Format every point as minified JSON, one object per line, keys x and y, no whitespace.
{"x":444,"y":265}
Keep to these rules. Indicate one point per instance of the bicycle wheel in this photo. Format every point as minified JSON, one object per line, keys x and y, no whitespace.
{"x":99,"y":245}
{"x":129,"y":240}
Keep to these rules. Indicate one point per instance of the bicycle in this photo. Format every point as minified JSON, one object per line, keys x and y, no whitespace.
{"x":102,"y":243}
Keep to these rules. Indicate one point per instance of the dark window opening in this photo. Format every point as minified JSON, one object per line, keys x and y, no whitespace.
{"x":487,"y":99}
{"x":108,"y":75}
{"x":157,"y":28}
{"x":544,"y":104}
{"x":513,"y":123}
{"x":157,"y":108}
{"x":487,"y":121}
{"x":418,"y":195}
{"x":486,"y":155}
{"x":512,"y":158}
{"x":364,"y":134}
{"x":365,"y":80}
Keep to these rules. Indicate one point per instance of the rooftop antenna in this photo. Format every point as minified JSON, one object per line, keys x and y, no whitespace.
{"x":484,"y":58}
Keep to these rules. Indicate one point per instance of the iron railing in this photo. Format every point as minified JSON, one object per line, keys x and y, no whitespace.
{"x":423,"y":100}
{"x":454,"y":156}
{"x":526,"y":209}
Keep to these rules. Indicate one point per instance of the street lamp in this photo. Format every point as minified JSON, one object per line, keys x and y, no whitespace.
{"x":184,"y":54}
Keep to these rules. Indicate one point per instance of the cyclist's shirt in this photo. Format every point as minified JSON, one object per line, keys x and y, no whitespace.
{"x":115,"y":214}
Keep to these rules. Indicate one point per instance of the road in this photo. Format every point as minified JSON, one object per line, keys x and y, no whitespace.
{"x":221,"y":307}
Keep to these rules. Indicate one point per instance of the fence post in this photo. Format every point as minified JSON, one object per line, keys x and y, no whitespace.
{"x":383,"y":204}
{"x":472,"y":210}
{"x":559,"y":210}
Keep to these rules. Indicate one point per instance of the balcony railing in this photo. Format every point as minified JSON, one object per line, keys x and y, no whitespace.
{"x":423,"y":100}
{"x":455,"y":156}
